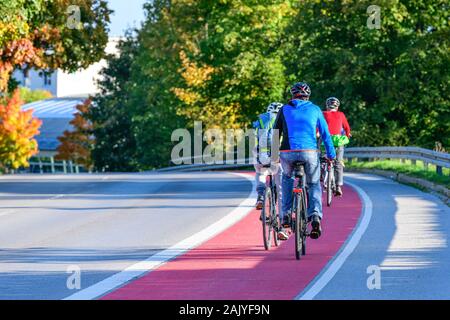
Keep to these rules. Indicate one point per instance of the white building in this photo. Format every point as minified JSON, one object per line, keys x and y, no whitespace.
{"x":68,"y":90}
{"x":62,"y":84}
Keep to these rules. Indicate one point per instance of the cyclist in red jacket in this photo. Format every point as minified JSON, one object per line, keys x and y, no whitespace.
{"x":340,"y":134}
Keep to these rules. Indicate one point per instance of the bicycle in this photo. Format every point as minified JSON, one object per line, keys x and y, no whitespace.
{"x":299,"y":220}
{"x":328,"y":178}
{"x":269,"y":215}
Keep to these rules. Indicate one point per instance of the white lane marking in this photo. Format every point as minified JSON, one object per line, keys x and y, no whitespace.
{"x":160,"y":258}
{"x":333,"y":266}
{"x":8,"y":212}
{"x":5,"y":213}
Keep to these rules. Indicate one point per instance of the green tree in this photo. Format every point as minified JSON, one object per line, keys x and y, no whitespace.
{"x":393,"y":81}
{"x":115,"y":147}
{"x":154,"y":73}
{"x":213,"y":61}
{"x":28,"y":96}
{"x":223,"y":61}
{"x":231,"y":64}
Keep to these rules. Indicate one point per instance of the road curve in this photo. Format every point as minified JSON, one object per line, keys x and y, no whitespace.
{"x":234,"y":265}
{"x":100,"y":223}
{"x":107,"y":223}
{"x":407,"y":242}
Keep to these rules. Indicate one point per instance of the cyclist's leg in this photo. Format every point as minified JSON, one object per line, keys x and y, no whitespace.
{"x":260,"y":184}
{"x":312,"y":169}
{"x":287,"y":159}
{"x":339,"y":166}
{"x":277,"y":179}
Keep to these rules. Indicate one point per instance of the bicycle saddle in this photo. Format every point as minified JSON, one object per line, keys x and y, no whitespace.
{"x":299,"y":163}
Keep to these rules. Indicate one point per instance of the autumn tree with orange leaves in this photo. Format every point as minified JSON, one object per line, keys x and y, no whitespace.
{"x":76,"y":145}
{"x":17,"y":131}
{"x":42,"y":34}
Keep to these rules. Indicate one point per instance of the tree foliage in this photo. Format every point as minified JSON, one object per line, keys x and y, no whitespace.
{"x":111,"y":115}
{"x":212,"y":61}
{"x":392,"y":81}
{"x":28,"y":96}
{"x":231,"y":63}
{"x":17,"y":131}
{"x":37,"y":34}
{"x":223,"y":61}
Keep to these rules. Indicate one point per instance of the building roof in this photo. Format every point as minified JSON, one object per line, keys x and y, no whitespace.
{"x":56,"y":114}
{"x":54,"y":108}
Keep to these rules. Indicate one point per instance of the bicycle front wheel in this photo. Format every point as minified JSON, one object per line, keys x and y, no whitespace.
{"x":266,"y":218}
{"x":275,"y":221}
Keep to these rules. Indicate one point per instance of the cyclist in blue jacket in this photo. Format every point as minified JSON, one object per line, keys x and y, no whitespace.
{"x":298,"y":123}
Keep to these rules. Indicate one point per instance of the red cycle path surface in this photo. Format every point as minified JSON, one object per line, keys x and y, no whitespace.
{"x":234,"y":265}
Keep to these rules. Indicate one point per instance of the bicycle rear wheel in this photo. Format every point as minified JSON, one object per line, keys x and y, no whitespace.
{"x":329,"y":188}
{"x":304,"y":221}
{"x":298,"y":225}
{"x":266,"y":219}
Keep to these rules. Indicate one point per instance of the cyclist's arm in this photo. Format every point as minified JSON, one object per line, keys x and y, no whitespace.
{"x":279,"y":123}
{"x":326,"y":137}
{"x":346,"y":126}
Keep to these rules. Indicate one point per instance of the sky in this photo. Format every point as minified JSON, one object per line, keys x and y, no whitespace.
{"x":127,"y":13}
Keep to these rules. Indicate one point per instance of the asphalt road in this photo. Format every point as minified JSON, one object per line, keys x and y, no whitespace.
{"x":406,"y":244}
{"x":106,"y":223}
{"x":100,"y":223}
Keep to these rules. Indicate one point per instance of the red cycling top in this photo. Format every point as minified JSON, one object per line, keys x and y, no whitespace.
{"x":337,"y":123}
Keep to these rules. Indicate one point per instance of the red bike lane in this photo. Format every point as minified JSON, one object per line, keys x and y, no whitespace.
{"x":234,"y":265}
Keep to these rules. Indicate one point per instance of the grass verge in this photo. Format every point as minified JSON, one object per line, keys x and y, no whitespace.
{"x":418,"y":170}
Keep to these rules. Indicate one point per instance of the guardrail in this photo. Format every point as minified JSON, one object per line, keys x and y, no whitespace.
{"x":240,"y":163}
{"x":439,"y":159}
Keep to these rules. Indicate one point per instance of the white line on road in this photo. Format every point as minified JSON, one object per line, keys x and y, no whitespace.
{"x":333,"y":266}
{"x":8,"y":212}
{"x":119,"y":279}
{"x":5,"y":213}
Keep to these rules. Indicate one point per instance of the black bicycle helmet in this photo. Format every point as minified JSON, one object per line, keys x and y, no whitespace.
{"x":301,"y":90}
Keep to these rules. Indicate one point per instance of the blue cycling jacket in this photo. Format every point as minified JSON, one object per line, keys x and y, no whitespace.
{"x":298,"y":122}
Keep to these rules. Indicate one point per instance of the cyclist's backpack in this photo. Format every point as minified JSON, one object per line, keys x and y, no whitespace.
{"x":264,"y":128}
{"x":340,"y":140}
